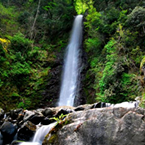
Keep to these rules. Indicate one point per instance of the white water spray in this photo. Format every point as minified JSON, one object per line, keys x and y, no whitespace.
{"x":71,"y":70}
{"x":40,"y":135}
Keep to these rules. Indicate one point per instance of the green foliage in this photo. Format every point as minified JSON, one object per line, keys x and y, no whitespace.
{"x":82,"y":5}
{"x":50,"y":5}
{"x":122,"y":16}
{"x":110,"y":68}
{"x":142,"y":103}
{"x":23,"y":18}
{"x":93,"y":18}
{"x":58,"y":19}
{"x":21,"y":44}
{"x":8,"y":20}
{"x":136,"y":19}
{"x":129,"y":81}
{"x":26,"y":103}
{"x":113,"y":41}
{"x":115,"y":78}
{"x":136,"y":55}
{"x":21,"y":67}
{"x":115,"y":65}
{"x":93,"y":45}
{"x":142,"y":63}
{"x":107,"y":21}
{"x":25,"y":65}
{"x":59,"y":119}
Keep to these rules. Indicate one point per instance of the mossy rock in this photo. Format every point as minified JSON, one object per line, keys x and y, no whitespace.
{"x":52,"y":139}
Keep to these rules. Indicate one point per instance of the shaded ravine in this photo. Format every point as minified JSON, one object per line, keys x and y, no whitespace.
{"x":71,"y":70}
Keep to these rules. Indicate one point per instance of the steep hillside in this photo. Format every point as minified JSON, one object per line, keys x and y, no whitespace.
{"x":34,"y":35}
{"x":114,"y":42}
{"x":33,"y":38}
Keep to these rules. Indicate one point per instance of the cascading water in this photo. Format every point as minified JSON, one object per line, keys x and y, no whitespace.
{"x":71,"y":70}
{"x":40,"y":134}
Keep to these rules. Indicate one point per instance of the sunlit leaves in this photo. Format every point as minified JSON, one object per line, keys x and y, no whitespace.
{"x":5,"y":43}
{"x":82,"y":5}
{"x":50,"y":5}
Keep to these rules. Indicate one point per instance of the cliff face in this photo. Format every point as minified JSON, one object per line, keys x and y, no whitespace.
{"x":103,"y":126}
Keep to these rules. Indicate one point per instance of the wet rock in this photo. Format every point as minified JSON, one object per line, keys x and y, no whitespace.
{"x":47,"y":121}
{"x":53,"y":87}
{"x":85,"y":106}
{"x":28,"y":115}
{"x":98,"y":105}
{"x":48,"y":112}
{"x":8,"y":131}
{"x":15,"y":113}
{"x":26,"y":132}
{"x":36,"y":119}
{"x":1,"y":139}
{"x":1,"y":110}
{"x":102,"y":126}
{"x":79,"y":108}
{"x":63,"y":111}
{"x":33,"y":116}
{"x":1,"y":122}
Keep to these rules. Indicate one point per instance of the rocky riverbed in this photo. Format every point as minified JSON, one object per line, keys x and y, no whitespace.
{"x":82,"y":125}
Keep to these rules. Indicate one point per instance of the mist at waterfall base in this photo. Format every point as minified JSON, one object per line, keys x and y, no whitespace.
{"x":70,"y":75}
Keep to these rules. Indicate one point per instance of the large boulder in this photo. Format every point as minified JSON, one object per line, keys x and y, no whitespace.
{"x":48,"y":112}
{"x":101,"y":126}
{"x":15,"y":113}
{"x":47,"y":121}
{"x":27,"y":131}
{"x":8,"y":131}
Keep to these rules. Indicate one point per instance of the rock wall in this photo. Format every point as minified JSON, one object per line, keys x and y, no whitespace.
{"x":53,"y":81}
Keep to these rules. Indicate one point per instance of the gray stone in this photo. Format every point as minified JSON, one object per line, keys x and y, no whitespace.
{"x":26,"y":132}
{"x":8,"y":131}
{"x":102,"y":126}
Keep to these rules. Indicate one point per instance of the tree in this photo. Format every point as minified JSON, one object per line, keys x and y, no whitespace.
{"x":33,"y":26}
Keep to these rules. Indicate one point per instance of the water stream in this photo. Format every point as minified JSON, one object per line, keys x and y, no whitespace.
{"x":71,"y":70}
{"x":40,"y":135}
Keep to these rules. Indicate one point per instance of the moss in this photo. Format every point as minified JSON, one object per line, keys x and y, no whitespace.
{"x":142,"y":103}
{"x":53,"y":139}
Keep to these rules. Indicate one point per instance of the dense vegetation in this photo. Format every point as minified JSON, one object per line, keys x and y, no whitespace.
{"x":115,"y":45}
{"x":33,"y":33}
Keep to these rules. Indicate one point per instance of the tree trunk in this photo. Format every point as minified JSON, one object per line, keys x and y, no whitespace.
{"x":33,"y":26}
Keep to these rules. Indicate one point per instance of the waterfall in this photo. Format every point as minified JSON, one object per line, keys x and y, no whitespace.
{"x":69,"y":78}
{"x":71,"y":70}
{"x":40,"y":135}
